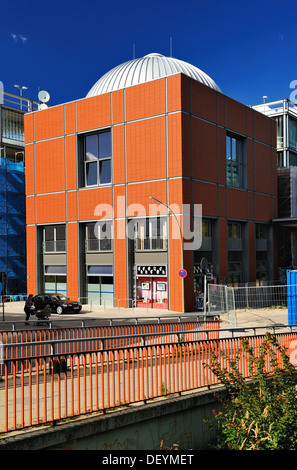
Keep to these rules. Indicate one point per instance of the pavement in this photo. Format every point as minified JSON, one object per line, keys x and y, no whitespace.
{"x":244,"y":321}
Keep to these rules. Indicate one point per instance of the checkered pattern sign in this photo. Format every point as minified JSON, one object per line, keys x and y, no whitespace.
{"x":151,"y":270}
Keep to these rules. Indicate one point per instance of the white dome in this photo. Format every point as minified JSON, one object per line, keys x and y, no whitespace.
{"x":145,"y":69}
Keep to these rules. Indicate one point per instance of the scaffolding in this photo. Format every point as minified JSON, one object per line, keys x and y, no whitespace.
{"x":12,"y":225}
{"x":12,"y":191}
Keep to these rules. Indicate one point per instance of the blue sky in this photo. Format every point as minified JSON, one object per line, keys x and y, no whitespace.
{"x":248,"y":48}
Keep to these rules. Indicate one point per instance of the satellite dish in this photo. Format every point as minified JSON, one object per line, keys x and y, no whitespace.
{"x":43,"y":96}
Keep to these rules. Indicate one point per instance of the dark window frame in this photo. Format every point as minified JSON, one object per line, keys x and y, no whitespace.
{"x":235,"y":157}
{"x":103,"y":240}
{"x":56,"y":243}
{"x":151,"y":234}
{"x":96,"y":164}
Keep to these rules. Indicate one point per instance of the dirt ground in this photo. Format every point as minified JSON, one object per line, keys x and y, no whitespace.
{"x":257,"y":317}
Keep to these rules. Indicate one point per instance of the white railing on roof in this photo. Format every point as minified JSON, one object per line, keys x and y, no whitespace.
{"x":18,"y":102}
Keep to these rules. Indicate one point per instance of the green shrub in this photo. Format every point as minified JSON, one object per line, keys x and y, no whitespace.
{"x":261,"y":413}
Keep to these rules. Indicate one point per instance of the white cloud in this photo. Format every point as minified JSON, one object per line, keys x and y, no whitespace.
{"x":22,"y":38}
{"x":17,"y":37}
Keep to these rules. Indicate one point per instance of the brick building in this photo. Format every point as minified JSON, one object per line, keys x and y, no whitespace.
{"x":152,"y":127}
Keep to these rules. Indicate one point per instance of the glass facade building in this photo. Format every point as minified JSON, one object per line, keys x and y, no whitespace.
{"x":12,"y":193}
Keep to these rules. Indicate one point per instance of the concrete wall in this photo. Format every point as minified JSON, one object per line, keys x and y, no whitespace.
{"x":178,"y":420}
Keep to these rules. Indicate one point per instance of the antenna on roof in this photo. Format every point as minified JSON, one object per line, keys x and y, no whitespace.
{"x":133,"y":51}
{"x":43,"y":96}
{"x":170,"y":46}
{"x":264,"y":98}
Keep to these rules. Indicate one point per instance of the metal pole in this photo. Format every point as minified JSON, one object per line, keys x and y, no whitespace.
{"x":204,"y":303}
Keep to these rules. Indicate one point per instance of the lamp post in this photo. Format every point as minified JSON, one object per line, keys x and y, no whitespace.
{"x":181,"y":242}
{"x":21,"y":88}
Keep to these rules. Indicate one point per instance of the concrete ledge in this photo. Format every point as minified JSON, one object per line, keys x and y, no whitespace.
{"x":93,"y":430}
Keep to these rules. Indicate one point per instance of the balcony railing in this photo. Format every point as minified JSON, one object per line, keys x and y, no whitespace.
{"x":54,"y":246}
{"x":19,"y":102}
{"x":150,"y":244}
{"x":96,"y":244}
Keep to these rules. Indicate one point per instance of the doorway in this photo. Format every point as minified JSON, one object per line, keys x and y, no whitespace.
{"x":151,"y":292}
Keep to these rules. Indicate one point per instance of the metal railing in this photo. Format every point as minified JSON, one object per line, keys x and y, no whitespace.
{"x":19,"y":102}
{"x":232,"y":299}
{"x":260,"y":296}
{"x":58,"y":386}
{"x":37,"y":342}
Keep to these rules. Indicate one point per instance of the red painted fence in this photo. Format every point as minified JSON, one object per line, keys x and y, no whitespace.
{"x":68,"y":384}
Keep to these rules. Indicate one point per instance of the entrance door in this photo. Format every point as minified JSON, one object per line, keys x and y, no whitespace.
{"x":144,"y":292}
{"x":152,"y":292}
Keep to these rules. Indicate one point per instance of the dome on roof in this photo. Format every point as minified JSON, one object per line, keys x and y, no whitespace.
{"x":145,"y":69}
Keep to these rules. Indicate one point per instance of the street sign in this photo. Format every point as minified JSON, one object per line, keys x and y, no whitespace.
{"x":182,"y":273}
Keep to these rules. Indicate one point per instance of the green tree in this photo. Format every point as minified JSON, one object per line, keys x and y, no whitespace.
{"x":259,"y":413}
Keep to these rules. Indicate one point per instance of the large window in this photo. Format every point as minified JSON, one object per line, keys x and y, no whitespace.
{"x":234,"y":236}
{"x":151,"y":234}
{"x":54,"y":239}
{"x":99,"y":236}
{"x":235,"y":268}
{"x":96,"y":150}
{"x":234,"y":161}
{"x":12,"y":127}
{"x":55,"y":279}
{"x":280,"y":131}
{"x":261,"y":267}
{"x":292,"y":134}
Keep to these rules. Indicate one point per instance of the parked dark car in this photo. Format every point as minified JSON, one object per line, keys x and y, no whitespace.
{"x":57,"y":302}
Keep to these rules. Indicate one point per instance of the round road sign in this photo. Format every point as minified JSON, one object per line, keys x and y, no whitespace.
{"x":182,"y":273}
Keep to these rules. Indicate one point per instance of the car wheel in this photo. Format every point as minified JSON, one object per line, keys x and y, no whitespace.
{"x":59,"y":310}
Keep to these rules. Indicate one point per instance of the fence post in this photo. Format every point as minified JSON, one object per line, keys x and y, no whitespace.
{"x":227,"y":303}
{"x":204,"y":303}
{"x":233,"y":296}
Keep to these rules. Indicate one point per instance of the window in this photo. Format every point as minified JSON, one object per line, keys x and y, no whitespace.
{"x":261,"y":237}
{"x":234,"y":161}
{"x":261,"y":268}
{"x":280,"y":159}
{"x":280,"y":131}
{"x":204,"y":228}
{"x":12,"y":127}
{"x":292,"y":134}
{"x":234,"y":230}
{"x":99,"y":236}
{"x":234,"y":268}
{"x":151,"y":234}
{"x":292,"y":159}
{"x":96,"y":149}
{"x":261,"y":232}
{"x":54,"y":238}
{"x":234,"y":236}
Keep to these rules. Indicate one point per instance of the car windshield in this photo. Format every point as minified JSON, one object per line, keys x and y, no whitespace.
{"x":59,"y":297}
